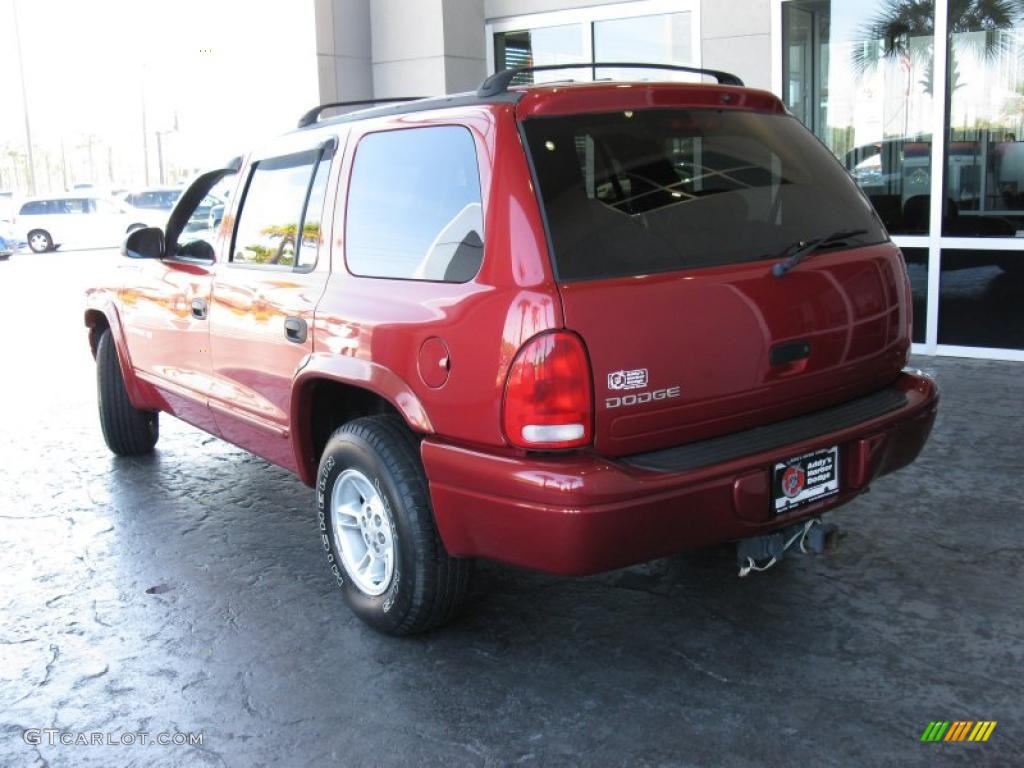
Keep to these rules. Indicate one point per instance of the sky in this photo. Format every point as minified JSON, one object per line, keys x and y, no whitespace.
{"x":227,"y":74}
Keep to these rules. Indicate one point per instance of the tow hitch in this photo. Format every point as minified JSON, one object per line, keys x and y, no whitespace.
{"x":759,"y":553}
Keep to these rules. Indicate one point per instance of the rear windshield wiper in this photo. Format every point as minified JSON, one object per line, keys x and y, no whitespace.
{"x":807,"y":248}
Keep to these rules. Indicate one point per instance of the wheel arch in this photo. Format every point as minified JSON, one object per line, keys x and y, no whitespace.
{"x":332,"y":391}
{"x":99,"y":320}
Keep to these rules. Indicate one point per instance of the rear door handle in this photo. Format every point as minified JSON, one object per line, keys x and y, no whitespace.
{"x":199,"y":309}
{"x":295,"y":329}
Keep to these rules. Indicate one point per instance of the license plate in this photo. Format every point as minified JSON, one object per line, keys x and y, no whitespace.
{"x":804,"y":479}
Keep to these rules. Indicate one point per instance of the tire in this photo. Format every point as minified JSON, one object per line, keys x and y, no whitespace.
{"x":127,"y":431}
{"x":371,"y":467}
{"x":39,"y":241}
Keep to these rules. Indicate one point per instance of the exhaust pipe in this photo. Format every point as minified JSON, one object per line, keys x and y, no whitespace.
{"x":759,"y":553}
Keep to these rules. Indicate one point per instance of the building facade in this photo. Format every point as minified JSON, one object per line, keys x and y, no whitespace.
{"x":914,"y":122}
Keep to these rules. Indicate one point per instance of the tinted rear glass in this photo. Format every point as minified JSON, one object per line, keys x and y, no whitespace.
{"x":636,"y":192}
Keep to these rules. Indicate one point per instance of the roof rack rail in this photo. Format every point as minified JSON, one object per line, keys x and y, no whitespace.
{"x":313,"y":115}
{"x":500,"y":81}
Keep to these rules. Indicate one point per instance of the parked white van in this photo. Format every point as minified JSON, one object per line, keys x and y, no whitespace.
{"x":81,"y":220}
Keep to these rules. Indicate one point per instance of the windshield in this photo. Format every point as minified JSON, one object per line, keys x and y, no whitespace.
{"x":636,"y":192}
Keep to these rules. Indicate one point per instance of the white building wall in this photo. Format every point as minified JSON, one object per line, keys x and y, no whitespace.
{"x":496,"y":9}
{"x":343,"y":57}
{"x":735,"y":37}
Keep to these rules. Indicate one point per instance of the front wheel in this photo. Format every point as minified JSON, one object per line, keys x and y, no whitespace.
{"x":127,"y":431}
{"x":378,"y":530}
{"x":39,"y":241}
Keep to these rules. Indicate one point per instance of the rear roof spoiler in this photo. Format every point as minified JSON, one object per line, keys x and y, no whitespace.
{"x":499,"y":82}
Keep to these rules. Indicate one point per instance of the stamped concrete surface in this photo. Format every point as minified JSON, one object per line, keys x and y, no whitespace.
{"x":187,"y":593}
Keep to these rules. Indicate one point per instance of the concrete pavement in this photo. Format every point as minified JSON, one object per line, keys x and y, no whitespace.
{"x":187,"y":593}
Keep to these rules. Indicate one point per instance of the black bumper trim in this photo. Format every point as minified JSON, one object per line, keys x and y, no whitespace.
{"x":716,"y":450}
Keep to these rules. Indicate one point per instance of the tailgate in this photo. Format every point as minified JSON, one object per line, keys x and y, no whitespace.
{"x":681,"y":357}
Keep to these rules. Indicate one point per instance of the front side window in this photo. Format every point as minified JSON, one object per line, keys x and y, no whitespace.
{"x":312,"y":232}
{"x":271,"y":211}
{"x":414,"y":207}
{"x":635,"y":192}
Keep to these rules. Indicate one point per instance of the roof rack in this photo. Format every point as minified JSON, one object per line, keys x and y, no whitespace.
{"x":314,"y":114}
{"x":500,"y":81}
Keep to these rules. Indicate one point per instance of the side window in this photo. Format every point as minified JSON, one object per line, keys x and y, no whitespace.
{"x":414,"y":209}
{"x":272,"y":208}
{"x":312,"y":236}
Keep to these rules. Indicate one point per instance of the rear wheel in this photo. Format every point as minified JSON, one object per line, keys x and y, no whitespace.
{"x":39,"y":241}
{"x":127,"y":430}
{"x":378,"y":530}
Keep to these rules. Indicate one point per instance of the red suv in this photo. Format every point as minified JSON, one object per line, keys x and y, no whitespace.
{"x":569,"y":327}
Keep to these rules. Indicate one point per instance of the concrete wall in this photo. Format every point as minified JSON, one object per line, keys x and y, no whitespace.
{"x":343,"y":49}
{"x":379,"y":48}
{"x":408,"y":47}
{"x":735,"y":37}
{"x":466,"y":64}
{"x":496,"y":9}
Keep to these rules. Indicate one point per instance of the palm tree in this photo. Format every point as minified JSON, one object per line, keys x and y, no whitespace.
{"x":890,"y":33}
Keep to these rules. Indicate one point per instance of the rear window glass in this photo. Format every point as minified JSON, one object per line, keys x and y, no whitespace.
{"x":636,"y":192}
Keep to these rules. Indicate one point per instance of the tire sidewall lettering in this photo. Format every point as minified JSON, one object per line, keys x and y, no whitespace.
{"x":321,"y":505}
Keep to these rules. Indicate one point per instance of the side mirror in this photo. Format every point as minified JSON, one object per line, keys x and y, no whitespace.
{"x":147,"y":243}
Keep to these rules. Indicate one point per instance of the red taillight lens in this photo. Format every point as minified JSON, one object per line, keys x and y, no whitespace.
{"x":547,"y":397}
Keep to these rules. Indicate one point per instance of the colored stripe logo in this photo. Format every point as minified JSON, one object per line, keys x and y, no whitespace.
{"x":958,"y":730}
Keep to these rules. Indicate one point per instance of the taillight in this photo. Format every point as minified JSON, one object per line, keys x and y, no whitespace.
{"x":547,"y":397}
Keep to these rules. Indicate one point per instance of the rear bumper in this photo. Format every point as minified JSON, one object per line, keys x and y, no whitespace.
{"x":580,"y":514}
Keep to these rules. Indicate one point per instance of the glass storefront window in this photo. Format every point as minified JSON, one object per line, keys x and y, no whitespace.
{"x":859,"y":75}
{"x":656,"y":31}
{"x":663,"y":38}
{"x":981,"y":299}
{"x":534,"y":47}
{"x":985,"y":144}
{"x":917,"y":270}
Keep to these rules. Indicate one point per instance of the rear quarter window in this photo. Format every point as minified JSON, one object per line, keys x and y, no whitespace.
{"x":35,"y":208}
{"x":414,"y":207}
